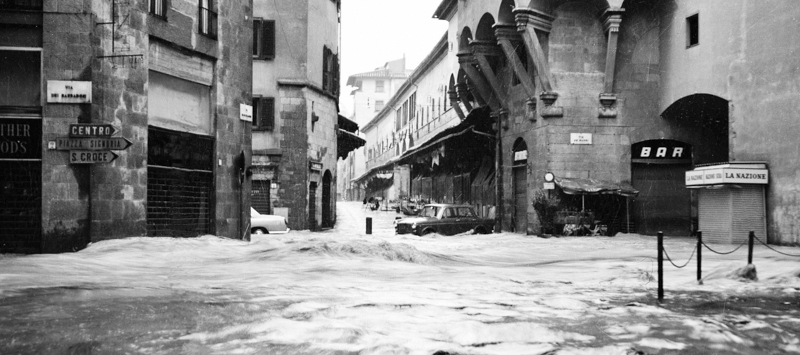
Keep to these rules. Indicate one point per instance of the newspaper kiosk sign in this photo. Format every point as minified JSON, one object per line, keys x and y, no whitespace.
{"x":727,"y":174}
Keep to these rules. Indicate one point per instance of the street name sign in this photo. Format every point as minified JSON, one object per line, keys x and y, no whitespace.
{"x":83,"y":130}
{"x":110,"y":143}
{"x":91,"y":157}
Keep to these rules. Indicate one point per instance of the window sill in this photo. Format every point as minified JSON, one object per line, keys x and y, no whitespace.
{"x":261,"y":129}
{"x":160,"y":17}
{"x":692,"y":45}
{"x":209,"y":36}
{"x":270,"y":57}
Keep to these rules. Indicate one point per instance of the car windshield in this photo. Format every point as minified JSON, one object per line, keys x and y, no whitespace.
{"x":429,"y":211}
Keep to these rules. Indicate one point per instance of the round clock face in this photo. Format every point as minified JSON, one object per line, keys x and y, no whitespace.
{"x":549,"y":177}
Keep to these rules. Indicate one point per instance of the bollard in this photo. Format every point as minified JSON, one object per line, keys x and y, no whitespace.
{"x":369,"y":225}
{"x":699,"y":255}
{"x":660,"y":266}
{"x":750,"y":248}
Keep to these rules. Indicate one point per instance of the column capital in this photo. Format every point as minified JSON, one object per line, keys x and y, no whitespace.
{"x":611,"y":19}
{"x":529,"y":17}
{"x":482,"y":47}
{"x":506,"y":32}
{"x":465,"y":58}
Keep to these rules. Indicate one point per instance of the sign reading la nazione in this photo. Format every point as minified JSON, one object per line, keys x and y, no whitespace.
{"x":726,"y":175}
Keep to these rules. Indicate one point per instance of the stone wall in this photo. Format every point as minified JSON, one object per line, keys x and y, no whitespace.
{"x":293,"y":177}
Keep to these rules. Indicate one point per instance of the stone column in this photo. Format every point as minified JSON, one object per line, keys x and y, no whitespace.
{"x":453,"y":96}
{"x":611,"y":21}
{"x":463,"y":95}
{"x":499,"y":116}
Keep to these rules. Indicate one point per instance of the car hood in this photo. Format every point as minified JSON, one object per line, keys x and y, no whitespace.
{"x":412,"y":220}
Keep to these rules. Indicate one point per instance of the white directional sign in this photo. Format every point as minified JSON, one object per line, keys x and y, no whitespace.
{"x":91,"y":157}
{"x":110,"y":143}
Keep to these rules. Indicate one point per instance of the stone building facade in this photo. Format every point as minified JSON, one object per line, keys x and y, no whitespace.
{"x":164,"y":76}
{"x":296,"y":122}
{"x":621,"y":93}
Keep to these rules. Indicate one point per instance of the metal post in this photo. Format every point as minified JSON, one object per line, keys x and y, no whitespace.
{"x":750,"y":249}
{"x":660,"y":266}
{"x":369,"y":225}
{"x":699,"y":255}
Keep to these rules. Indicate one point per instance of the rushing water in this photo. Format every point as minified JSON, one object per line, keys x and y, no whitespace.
{"x":344,"y":292}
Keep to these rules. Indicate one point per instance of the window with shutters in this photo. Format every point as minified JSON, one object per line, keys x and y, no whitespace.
{"x":263,"y":113}
{"x":330,"y":71}
{"x":159,"y":8}
{"x":208,"y":19}
{"x":263,"y":39}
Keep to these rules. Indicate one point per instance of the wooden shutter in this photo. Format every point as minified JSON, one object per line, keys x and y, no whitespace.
{"x":268,"y":39}
{"x":267,"y":113}
{"x":256,"y":41}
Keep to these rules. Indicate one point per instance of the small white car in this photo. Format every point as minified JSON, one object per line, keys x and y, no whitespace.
{"x":267,"y":224}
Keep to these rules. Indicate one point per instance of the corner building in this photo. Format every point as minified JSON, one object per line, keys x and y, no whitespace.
{"x":623,"y":92}
{"x":298,"y":134}
{"x":168,"y":76}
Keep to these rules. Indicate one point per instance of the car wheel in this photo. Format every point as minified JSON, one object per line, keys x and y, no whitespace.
{"x":479,"y":230}
{"x":427,"y":231}
{"x":259,"y":231}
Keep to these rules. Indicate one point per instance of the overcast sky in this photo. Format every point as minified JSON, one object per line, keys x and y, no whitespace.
{"x":377,"y":31}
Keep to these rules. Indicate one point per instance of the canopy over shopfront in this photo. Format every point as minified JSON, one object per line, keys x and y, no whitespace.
{"x":581,"y":186}
{"x":346,"y":138}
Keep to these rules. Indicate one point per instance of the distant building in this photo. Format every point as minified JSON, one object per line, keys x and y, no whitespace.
{"x":298,"y":134}
{"x":372,"y":91}
{"x":82,"y":77}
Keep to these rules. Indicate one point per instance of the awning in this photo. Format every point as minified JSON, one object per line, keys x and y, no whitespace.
{"x":347,"y":142}
{"x":579,"y":186}
{"x":476,"y":123}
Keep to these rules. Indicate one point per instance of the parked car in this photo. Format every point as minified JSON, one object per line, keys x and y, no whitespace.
{"x":446,"y":219}
{"x":266,"y":223}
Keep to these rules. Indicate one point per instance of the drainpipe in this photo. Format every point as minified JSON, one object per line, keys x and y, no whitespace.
{"x":498,"y":188}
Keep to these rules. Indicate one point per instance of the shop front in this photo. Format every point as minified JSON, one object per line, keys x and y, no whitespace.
{"x":731,"y":200}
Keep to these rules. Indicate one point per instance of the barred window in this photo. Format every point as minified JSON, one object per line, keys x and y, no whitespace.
{"x":159,"y":8}
{"x":263,"y":113}
{"x":208,"y":19}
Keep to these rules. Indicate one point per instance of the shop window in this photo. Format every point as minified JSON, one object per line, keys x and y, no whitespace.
{"x":21,"y":5}
{"x":264,"y":113}
{"x":20,"y":75}
{"x":208,"y":19}
{"x":263,"y":39}
{"x":693,"y":30}
{"x":159,"y":8}
{"x":178,"y":104}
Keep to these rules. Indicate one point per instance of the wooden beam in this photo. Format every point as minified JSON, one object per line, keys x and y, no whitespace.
{"x":528,"y":20}
{"x":480,"y":50}
{"x":504,"y":34}
{"x":465,"y":60}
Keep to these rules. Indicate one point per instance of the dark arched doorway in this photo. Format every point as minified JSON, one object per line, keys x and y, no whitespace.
{"x":327,"y":203}
{"x":519,"y":171}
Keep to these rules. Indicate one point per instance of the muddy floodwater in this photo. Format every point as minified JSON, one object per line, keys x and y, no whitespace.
{"x":344,"y":292}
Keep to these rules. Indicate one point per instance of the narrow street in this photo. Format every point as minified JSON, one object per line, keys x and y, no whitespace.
{"x":344,"y":292}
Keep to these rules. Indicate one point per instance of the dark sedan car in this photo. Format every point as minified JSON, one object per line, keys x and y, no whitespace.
{"x":444,"y":219}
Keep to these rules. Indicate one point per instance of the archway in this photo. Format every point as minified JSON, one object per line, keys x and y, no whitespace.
{"x":704,"y":118}
{"x":519,"y":172}
{"x":327,"y":202}
{"x":505,"y":14}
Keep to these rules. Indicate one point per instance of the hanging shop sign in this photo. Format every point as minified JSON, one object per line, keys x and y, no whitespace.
{"x":20,"y":139}
{"x":69,"y":92}
{"x":580,"y":138}
{"x":521,"y":155}
{"x":314,"y":166}
{"x":246,"y":112}
{"x":661,"y":151}
{"x":731,"y":173}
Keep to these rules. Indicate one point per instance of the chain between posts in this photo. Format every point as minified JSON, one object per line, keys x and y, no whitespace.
{"x":687,"y":261}
{"x":770,"y":248}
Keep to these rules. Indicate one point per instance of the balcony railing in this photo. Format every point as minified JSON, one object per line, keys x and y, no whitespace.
{"x":21,"y":4}
{"x":208,"y":22}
